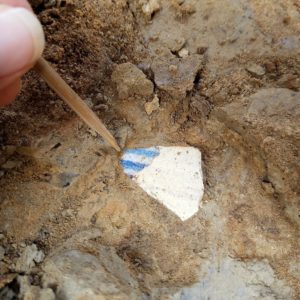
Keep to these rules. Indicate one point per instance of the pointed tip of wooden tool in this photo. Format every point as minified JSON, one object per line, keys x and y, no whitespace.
{"x":107,"y":136}
{"x":117,"y":147}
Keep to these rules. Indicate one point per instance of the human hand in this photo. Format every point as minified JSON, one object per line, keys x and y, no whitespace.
{"x":21,"y":44}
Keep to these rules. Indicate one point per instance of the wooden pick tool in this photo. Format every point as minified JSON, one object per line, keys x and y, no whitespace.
{"x":73,"y":100}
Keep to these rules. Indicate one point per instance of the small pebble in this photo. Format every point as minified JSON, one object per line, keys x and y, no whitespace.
{"x":102,"y":107}
{"x":152,"y":106}
{"x":268,"y":188}
{"x":256,"y":70}
{"x":68,"y":213}
{"x":183,"y":53}
{"x":177,"y":44}
{"x":151,"y":7}
{"x":10,"y":164}
{"x":29,"y":256}
{"x":39,"y":257}
{"x":289,"y":81}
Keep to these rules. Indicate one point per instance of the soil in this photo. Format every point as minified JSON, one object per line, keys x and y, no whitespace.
{"x":226,"y":74}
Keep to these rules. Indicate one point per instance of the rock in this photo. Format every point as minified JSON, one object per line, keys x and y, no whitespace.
{"x":51,"y":3}
{"x":289,"y":81}
{"x":79,"y":275}
{"x":170,"y":42}
{"x":9,"y":165}
{"x":151,"y":7}
{"x":39,"y":257}
{"x":183,"y":53}
{"x":268,"y":188}
{"x":176,"y":75}
{"x":131,"y":81}
{"x":233,"y":279}
{"x":200,"y":105}
{"x":175,"y":44}
{"x":68,"y":213}
{"x":102,"y":107}
{"x":2,"y":252}
{"x":28,"y":258}
{"x":256,"y":70}
{"x":30,"y":292}
{"x":152,"y":106}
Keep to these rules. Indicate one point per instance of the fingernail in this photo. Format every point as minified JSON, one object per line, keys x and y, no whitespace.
{"x":21,"y":39}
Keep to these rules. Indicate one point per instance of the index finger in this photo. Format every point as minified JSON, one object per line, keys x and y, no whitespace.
{"x":18,"y":3}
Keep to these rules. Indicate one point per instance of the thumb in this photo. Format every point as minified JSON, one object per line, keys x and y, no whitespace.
{"x":21,"y":42}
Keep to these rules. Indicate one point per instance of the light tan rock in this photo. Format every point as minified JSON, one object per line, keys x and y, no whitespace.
{"x":131,"y":81}
{"x":152,"y":106}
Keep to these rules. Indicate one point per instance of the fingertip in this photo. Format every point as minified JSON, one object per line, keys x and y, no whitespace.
{"x":17,"y":3}
{"x":21,"y":40}
{"x":34,"y":27}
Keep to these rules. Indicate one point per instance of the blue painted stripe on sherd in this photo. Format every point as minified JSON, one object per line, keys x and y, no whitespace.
{"x":127,"y":164}
{"x":144,"y":152}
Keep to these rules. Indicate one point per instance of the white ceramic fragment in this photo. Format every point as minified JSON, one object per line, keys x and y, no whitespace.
{"x":171,"y":175}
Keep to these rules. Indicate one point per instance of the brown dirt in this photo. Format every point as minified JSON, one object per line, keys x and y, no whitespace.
{"x":67,"y":181}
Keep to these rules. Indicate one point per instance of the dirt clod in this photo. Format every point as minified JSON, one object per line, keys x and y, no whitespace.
{"x":256,"y":70}
{"x":131,"y":81}
{"x":28,"y":258}
{"x":174,"y":75}
{"x":152,"y":106}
